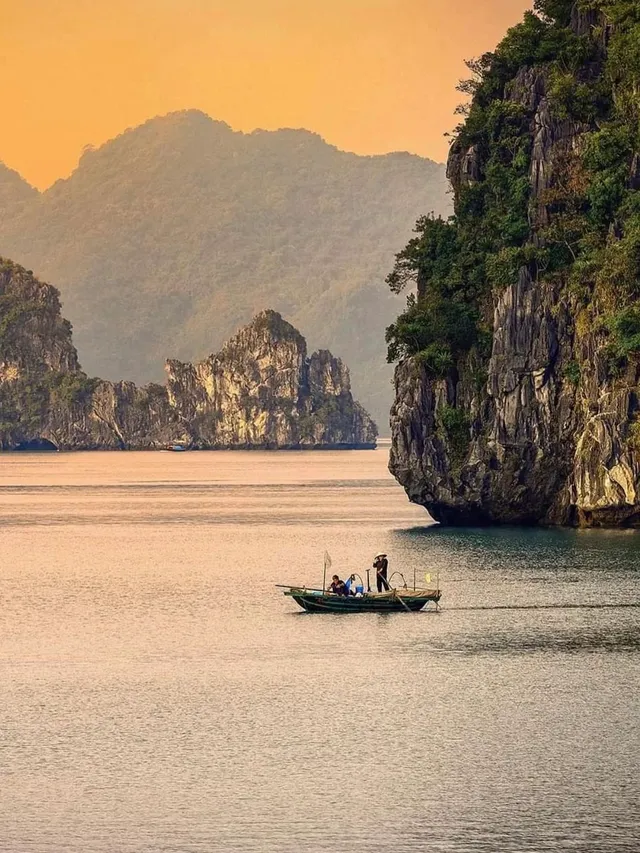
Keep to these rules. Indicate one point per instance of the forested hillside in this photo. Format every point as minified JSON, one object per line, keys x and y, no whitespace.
{"x":169,"y":237}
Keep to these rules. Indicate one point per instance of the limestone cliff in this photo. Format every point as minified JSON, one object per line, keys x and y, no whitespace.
{"x":531,"y":416}
{"x":261,"y":390}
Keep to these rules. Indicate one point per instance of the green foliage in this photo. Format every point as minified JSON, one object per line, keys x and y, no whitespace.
{"x":13,"y":312}
{"x":429,"y":257}
{"x":623,"y":66}
{"x":541,"y":38}
{"x":633,"y":436}
{"x":619,"y":265}
{"x":624,"y":327}
{"x":502,"y":266}
{"x":583,"y":101}
{"x":437,"y":329}
{"x":572,"y":373}
{"x":26,"y":402}
{"x":457,"y":263}
{"x":437,"y":359}
{"x":455,"y":425}
{"x":68,"y":389}
{"x":557,"y":11}
{"x":607,"y":157}
{"x":23,"y":406}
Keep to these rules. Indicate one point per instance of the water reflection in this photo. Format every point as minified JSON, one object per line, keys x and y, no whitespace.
{"x":158,"y":693}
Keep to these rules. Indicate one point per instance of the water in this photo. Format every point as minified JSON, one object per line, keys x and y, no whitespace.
{"x":157,"y":693}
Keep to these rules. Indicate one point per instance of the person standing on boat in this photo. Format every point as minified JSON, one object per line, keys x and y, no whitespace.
{"x":381,"y":564}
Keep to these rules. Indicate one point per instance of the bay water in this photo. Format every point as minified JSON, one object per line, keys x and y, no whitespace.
{"x":158,"y":693}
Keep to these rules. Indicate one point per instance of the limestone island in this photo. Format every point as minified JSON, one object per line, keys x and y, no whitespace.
{"x":260,"y":391}
{"x":518,"y":377}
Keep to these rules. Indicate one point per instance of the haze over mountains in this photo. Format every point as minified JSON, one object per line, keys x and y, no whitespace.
{"x":167,"y":238}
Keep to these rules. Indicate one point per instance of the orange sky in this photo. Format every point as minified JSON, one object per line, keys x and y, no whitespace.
{"x":369,"y":75}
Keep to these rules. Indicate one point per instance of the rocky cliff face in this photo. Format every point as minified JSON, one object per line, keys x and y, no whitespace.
{"x":543,"y":429}
{"x":261,"y":390}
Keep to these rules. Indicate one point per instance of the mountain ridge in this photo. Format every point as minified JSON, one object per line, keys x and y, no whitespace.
{"x":171,"y":235}
{"x":193,"y":117}
{"x":14,"y":189}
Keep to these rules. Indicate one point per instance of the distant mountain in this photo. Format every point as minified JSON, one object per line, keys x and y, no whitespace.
{"x":15,"y":194}
{"x":167,"y":238}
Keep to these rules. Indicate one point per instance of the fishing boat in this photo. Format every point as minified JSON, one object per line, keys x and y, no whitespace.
{"x":401,"y":600}
{"x":396,"y":599}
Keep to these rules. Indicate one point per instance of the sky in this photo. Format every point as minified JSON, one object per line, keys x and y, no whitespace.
{"x":370,"y":76}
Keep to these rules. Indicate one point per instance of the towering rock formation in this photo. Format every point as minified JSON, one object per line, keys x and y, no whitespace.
{"x":533,"y":417}
{"x":261,"y":390}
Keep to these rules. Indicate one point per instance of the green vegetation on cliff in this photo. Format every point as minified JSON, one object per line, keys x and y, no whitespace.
{"x":518,"y":387}
{"x":39,"y":370}
{"x":582,"y":229}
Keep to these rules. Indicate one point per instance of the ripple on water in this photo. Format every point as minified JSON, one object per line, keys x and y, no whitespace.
{"x":158,"y":694}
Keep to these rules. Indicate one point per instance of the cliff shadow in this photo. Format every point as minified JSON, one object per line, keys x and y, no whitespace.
{"x":37,"y":445}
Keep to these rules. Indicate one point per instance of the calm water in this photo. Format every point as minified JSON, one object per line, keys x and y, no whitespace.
{"x":158,"y":694}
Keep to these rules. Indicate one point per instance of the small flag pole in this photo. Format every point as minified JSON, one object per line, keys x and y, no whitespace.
{"x":327,"y":564}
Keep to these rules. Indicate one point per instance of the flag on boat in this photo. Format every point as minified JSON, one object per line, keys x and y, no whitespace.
{"x":427,"y":578}
{"x":327,"y":560}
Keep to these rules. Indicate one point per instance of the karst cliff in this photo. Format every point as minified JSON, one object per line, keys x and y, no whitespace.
{"x":517,"y":384}
{"x":261,"y":390}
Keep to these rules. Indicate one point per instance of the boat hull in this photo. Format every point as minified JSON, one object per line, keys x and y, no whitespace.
{"x":314,"y":603}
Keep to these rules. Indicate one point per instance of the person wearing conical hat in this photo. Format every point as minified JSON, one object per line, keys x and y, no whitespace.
{"x":381,"y":564}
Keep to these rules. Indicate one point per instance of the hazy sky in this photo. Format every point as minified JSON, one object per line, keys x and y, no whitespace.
{"x":369,"y":75}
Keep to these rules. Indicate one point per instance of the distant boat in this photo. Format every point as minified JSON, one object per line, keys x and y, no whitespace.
{"x":394,"y":601}
{"x":177,"y":448}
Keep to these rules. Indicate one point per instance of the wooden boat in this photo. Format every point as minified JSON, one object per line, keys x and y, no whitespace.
{"x":394,"y":601}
